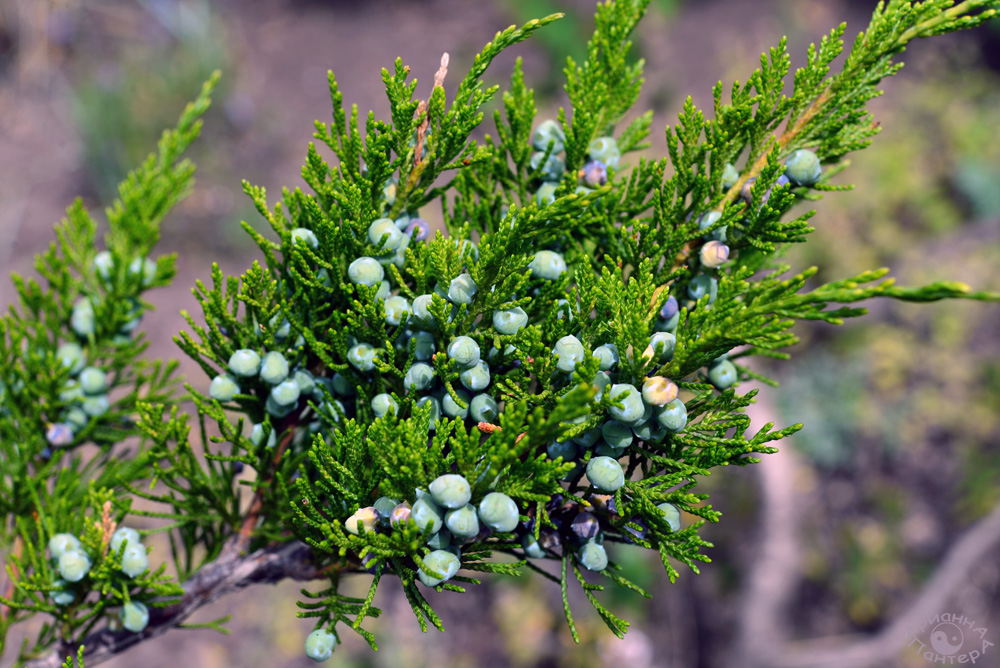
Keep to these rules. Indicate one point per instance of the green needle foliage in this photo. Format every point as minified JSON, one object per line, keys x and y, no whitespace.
{"x":334,"y":377}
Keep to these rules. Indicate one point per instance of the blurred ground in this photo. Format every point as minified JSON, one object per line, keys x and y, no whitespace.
{"x":900,"y":452}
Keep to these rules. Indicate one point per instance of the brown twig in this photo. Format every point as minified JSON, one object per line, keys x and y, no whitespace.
{"x":256,"y":507}
{"x":227,"y":574}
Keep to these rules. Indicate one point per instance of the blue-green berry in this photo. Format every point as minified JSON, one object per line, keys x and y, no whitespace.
{"x":244,"y":363}
{"x":426,"y":514}
{"x":605,"y":474}
{"x":441,"y":540}
{"x":601,"y":381}
{"x":549,"y":132}
{"x":440,"y":562}
{"x":608,"y":356}
{"x":593,"y":556}
{"x":723,"y":374}
{"x":308,"y":237}
{"x":135,"y":561}
{"x":71,"y":391}
{"x":74,"y":565}
{"x":588,"y":438}
{"x":464,"y":351}
{"x":257,"y":436}
{"x":96,"y":406}
{"x":273,"y":368}
{"x":649,"y":431}
{"x":368,"y":517}
{"x":400,"y":514}
{"x":384,"y":505}
{"x":451,"y":407}
{"x":365,"y":271}
{"x":93,"y":380}
{"x":124,"y":535}
{"x":305,"y":380}
{"x":661,"y":346}
{"x":673,"y":416}
{"x":61,"y":596}
{"x":476,"y":378}
{"x":729,"y":176}
{"x":435,"y":409}
{"x":532,"y":547}
{"x":286,"y":393}
{"x":82,"y":317}
{"x":383,"y":404}
{"x":631,"y":403}
{"x":62,"y":543}
{"x":450,"y":491}
{"x":702,"y":285}
{"x":616,"y":435}
{"x":462,"y":522}
{"x":362,"y":357}
{"x":546,"y":193}
{"x":422,"y":311}
{"x":509,"y":321}
{"x":104,"y":264}
{"x":606,"y":150}
{"x":135,"y":616}
{"x":385,"y":228}
{"x":420,"y":376}
{"x":274,"y":409}
{"x":396,"y":308}
{"x":499,"y":512}
{"x":658,"y":391}
{"x":569,"y":352}
{"x":549,"y":170}
{"x":342,"y":385}
{"x":70,"y":355}
{"x":548,"y":265}
{"x":145,"y":267}
{"x":670,"y":308}
{"x":462,"y":289}
{"x":418,"y":228}
{"x":223,"y":388}
{"x":671,"y":515}
{"x":565,"y":449}
{"x":484,"y":408}
{"x":320,"y":645}
{"x":802,"y":167}
{"x":77,"y":418}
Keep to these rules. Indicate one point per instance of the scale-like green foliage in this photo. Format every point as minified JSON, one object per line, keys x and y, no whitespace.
{"x":362,"y":402}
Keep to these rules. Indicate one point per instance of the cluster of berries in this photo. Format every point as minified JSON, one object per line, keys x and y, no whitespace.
{"x":74,"y":563}
{"x":548,"y":166}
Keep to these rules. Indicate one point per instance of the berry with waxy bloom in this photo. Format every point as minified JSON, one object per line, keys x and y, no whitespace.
{"x":462,"y":289}
{"x":63,"y":542}
{"x":420,"y":376}
{"x":670,"y":308}
{"x":93,"y":380}
{"x":608,"y":356}
{"x":135,"y":561}
{"x":499,"y":512}
{"x":223,"y":388}
{"x":606,"y":150}
{"x":464,"y":351}
{"x":509,"y":321}
{"x":368,"y":517}
{"x":74,"y":565}
{"x":548,"y":265}
{"x":385,"y":228}
{"x":631,"y":403}
{"x":383,"y":404}
{"x":593,"y":556}
{"x":59,"y":434}
{"x":450,"y":490}
{"x":723,"y":374}
{"x":803,"y":168}
{"x":61,"y":596}
{"x":435,"y":409}
{"x":452,"y":409}
{"x":135,"y":616}
{"x":423,"y":345}
{"x":546,"y":193}
{"x":70,"y":355}
{"x":396,"y":308}
{"x":569,"y":352}
{"x":82,"y":317}
{"x":421,"y":311}
{"x":673,"y":416}
{"x":594,"y":174}
{"x":307,"y":237}
{"x":532,"y":547}
{"x":551,"y":169}
{"x":476,"y":378}
{"x":616,"y":435}
{"x":462,"y":522}
{"x":729,"y":176}
{"x":257,"y":436}
{"x":244,"y":363}
{"x":305,"y":380}
{"x":365,"y":271}
{"x":419,"y":229}
{"x":702,"y":285}
{"x":565,"y":449}
{"x":440,"y":562}
{"x":286,"y":393}
{"x":671,"y":514}
{"x":273,"y":368}
{"x":426,"y":513}
{"x":400,"y":514}
{"x":124,"y":535}
{"x":362,"y":357}
{"x":549,"y":132}
{"x":662,"y":343}
{"x":483,"y":408}
{"x":605,"y":474}
{"x":320,"y":645}
{"x":104,"y":264}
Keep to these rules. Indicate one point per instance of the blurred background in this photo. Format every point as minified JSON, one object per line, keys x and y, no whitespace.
{"x":852,"y":525}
